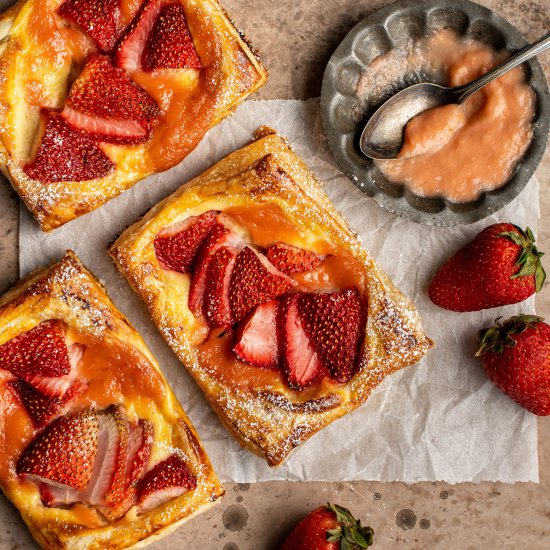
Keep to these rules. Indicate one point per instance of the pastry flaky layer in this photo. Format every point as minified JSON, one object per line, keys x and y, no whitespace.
{"x":117,"y":370}
{"x":266,"y":190}
{"x":42,"y":52}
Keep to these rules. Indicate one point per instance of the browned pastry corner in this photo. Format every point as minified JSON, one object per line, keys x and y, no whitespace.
{"x":95,"y":96}
{"x":95,"y":450}
{"x":329,"y":302}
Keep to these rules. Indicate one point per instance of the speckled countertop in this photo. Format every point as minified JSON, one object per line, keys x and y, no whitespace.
{"x":296,"y":39}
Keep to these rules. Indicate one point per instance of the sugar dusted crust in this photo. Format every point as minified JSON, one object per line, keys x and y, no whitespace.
{"x":69,"y":292}
{"x":35,"y":68}
{"x":272,"y":422}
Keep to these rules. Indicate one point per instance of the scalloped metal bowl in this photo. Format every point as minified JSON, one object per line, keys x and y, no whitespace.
{"x":343,"y":113}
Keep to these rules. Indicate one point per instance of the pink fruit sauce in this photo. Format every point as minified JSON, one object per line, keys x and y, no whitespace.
{"x":457,"y":152}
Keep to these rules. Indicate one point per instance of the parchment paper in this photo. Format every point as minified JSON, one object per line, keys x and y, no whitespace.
{"x":439,"y":420}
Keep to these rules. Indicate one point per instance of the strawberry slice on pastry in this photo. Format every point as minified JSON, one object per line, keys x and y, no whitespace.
{"x":43,"y":358}
{"x":94,"y":457}
{"x":300,"y":361}
{"x":66,"y":154}
{"x":256,"y":337}
{"x":333,"y":322}
{"x":291,"y":259}
{"x":167,"y":480}
{"x":177,"y":246}
{"x":41,"y":408}
{"x":99,"y":19}
{"x":108,"y":106}
{"x":254,"y":281}
{"x":220,"y":236}
{"x":158,"y":38}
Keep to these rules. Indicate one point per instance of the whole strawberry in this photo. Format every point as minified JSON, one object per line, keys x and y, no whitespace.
{"x":500,"y":266}
{"x":329,"y":527}
{"x":516,"y":357}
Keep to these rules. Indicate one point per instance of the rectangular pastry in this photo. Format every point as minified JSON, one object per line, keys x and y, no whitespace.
{"x":268,"y":298}
{"x":95,"y":450}
{"x":98,"y":94}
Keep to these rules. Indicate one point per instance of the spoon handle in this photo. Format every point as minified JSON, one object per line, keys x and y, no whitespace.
{"x":528,"y":52}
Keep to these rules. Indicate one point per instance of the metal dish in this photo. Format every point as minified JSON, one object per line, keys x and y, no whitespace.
{"x":343,"y":113}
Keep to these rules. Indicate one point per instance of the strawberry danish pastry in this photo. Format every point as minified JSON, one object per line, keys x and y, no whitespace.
{"x":98,"y":94}
{"x":95,"y":450}
{"x":268,"y":298}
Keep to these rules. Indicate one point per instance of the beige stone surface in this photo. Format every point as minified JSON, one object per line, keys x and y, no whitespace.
{"x":297,"y":39}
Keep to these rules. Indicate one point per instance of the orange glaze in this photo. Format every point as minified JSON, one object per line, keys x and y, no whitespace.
{"x":16,"y":431}
{"x":188,"y":109}
{"x":267,"y":224}
{"x":117,"y":372}
{"x":463,"y":151}
{"x":114,"y":372}
{"x":217,"y":358}
{"x":187,"y":112}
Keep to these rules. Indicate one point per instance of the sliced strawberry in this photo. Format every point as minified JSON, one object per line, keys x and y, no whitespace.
{"x":64,"y":453}
{"x":106,"y":104}
{"x":220,"y":236}
{"x":123,"y":493}
{"x":256,"y":337}
{"x":42,"y":409}
{"x":122,"y":452}
{"x":158,"y":38}
{"x":167,"y":480}
{"x":177,"y":246}
{"x":299,"y":360}
{"x":255,"y":281}
{"x":291,"y":259}
{"x":107,"y":130}
{"x":107,"y":481}
{"x":334,"y":322}
{"x":57,"y":386}
{"x":217,"y":305}
{"x":129,"y":52}
{"x":116,"y":492}
{"x":140,"y":443}
{"x":100,"y":19}
{"x":41,"y":358}
{"x":170,"y":45}
{"x":58,"y":496}
{"x":66,"y":154}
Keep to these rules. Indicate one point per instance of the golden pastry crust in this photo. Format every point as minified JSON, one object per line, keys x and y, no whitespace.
{"x":67,"y":291}
{"x":39,"y":52}
{"x":269,"y":419}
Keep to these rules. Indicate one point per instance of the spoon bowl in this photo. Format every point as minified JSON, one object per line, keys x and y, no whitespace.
{"x":382,"y":137}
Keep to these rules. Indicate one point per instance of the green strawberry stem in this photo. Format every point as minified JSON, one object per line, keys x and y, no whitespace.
{"x":529,"y":262}
{"x":351,"y":534}
{"x":495,"y":339}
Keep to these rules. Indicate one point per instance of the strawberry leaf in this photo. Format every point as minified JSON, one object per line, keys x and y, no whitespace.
{"x":518,"y":238}
{"x":351,"y":534}
{"x":529,"y":261}
{"x":495,"y":339}
{"x":358,"y":538}
{"x":343,"y":515}
{"x":368,"y":535}
{"x":334,"y":535}
{"x":540,"y":275}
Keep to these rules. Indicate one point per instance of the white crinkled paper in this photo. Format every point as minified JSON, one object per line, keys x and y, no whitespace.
{"x":439,"y":420}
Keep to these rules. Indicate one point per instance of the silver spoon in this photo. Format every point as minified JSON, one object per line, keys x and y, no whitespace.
{"x":382,"y":136}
